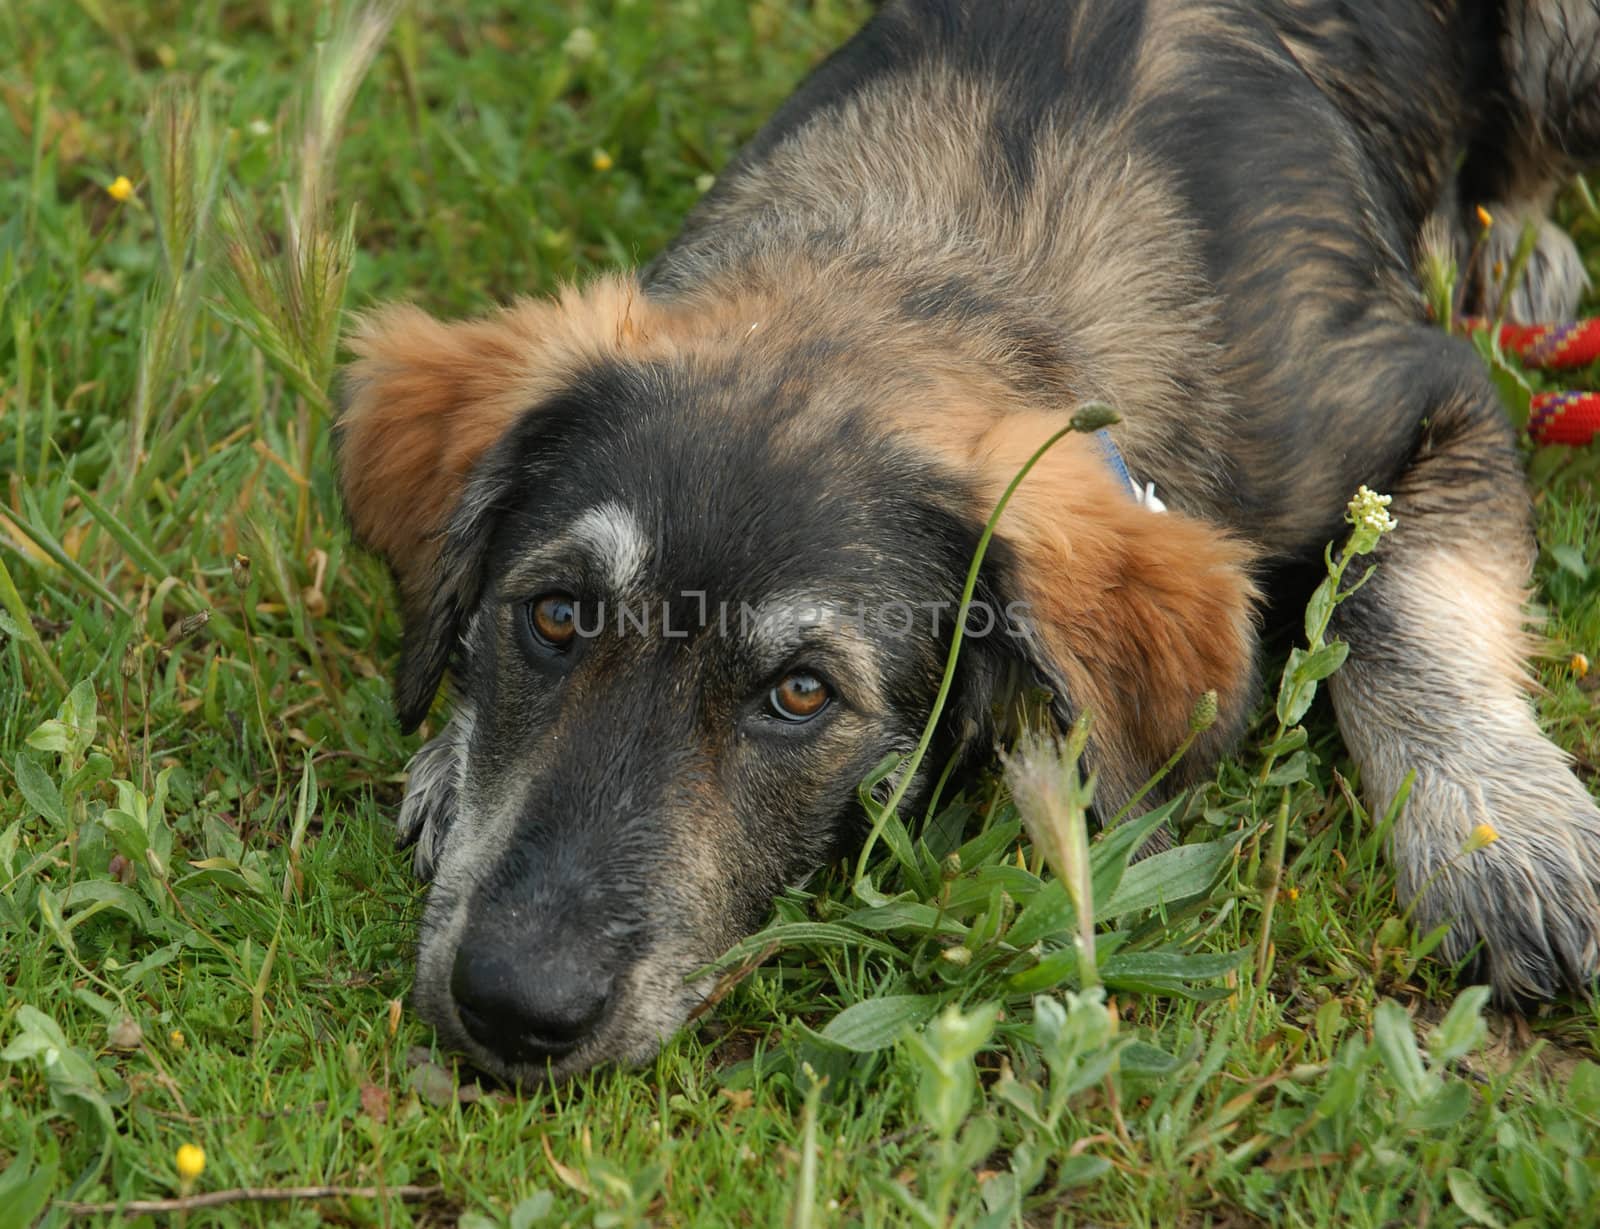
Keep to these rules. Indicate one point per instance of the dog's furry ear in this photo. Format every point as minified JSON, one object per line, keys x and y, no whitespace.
{"x":423,"y":402}
{"x":1130,"y":615}
{"x":433,"y":624}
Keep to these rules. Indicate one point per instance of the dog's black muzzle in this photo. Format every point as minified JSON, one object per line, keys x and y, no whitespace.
{"x":529,"y":998}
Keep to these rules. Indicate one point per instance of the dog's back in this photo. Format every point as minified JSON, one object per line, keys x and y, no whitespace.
{"x":1168,"y":204}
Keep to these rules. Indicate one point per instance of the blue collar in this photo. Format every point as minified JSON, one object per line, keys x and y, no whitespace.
{"x":1113,"y":456}
{"x":1145,"y":494}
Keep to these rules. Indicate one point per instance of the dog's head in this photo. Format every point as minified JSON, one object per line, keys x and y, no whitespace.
{"x":693,"y":571}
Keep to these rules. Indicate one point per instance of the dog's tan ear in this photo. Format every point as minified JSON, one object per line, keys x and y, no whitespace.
{"x":423,"y":402}
{"x":1132,"y":614}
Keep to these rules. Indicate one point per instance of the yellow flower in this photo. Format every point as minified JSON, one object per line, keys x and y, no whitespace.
{"x":120,"y":188}
{"x":191,"y":1161}
{"x":1293,"y":894}
{"x":1481,"y":835}
{"x":176,"y":1039}
{"x":1485,"y":218}
{"x":602,"y":160}
{"x":1579,"y":665}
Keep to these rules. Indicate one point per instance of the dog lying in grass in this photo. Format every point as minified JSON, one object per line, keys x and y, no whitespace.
{"x":689,"y":542}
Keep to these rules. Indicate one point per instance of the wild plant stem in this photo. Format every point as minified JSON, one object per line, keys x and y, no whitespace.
{"x":1274,"y":878}
{"x":908,"y":770}
{"x":1143,"y":791}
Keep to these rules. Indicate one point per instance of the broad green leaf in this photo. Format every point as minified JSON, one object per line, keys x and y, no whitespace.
{"x":38,"y":1036}
{"x":1175,"y":966}
{"x":1168,"y":877}
{"x":869,"y":895}
{"x":1319,"y":610}
{"x":1343,"y":1088}
{"x":1081,"y":1169}
{"x":1318,"y":664}
{"x":988,"y":843}
{"x":1583,"y":1089}
{"x":38,"y":790}
{"x":1449,"y":1104}
{"x":533,"y":1210}
{"x":50,"y":911}
{"x":96,"y":768}
{"x":51,"y":735}
{"x":974,"y":891}
{"x":1143,"y":1060}
{"x":10,"y":839}
{"x":1397,"y":1047}
{"x":1469,"y":1196}
{"x":127,"y":833}
{"x":134,"y":973}
{"x":1293,"y":739}
{"x":1515,"y":391}
{"x":809,"y":934}
{"x":98,"y":895}
{"x":1049,"y":912}
{"x":1570,"y":559}
{"x":1110,"y":854}
{"x":78,"y":711}
{"x":1059,"y":966}
{"x":71,"y":731}
{"x":25,"y":1189}
{"x":1463,"y":1028}
{"x":228,"y":873}
{"x":906,"y":915}
{"x":876,"y":1023}
{"x":1290,"y":771}
{"x":1295,"y":692}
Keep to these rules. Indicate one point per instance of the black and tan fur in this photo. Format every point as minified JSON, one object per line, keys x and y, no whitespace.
{"x":973,"y":218}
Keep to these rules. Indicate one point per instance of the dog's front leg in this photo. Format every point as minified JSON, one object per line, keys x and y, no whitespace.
{"x":1436,"y":684}
{"x":429,"y":808}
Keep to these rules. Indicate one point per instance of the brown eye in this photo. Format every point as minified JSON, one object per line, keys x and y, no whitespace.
{"x":799,"y":696}
{"x":553,"y":621}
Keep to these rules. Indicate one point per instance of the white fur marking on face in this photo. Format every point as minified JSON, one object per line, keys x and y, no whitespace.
{"x":611,"y":533}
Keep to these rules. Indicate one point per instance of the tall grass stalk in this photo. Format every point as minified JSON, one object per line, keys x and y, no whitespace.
{"x":287,"y":298}
{"x":184,"y":163}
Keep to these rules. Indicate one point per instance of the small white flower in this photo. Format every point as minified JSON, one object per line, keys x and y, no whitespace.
{"x":581,"y":44}
{"x":259,"y":128}
{"x":1370,"y":511}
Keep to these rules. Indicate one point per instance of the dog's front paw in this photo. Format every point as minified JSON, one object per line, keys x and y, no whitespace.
{"x":1522,"y":890}
{"x":1553,"y":281}
{"x":429,"y":806}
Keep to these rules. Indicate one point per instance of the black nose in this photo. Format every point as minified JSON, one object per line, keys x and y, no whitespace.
{"x":527,"y":1008}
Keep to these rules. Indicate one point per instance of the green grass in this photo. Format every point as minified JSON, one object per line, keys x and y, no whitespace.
{"x":203,"y":928}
